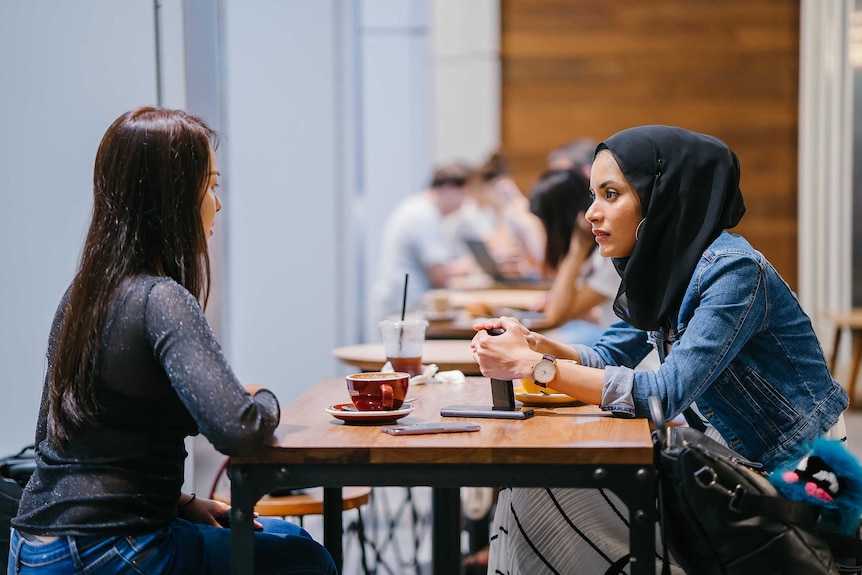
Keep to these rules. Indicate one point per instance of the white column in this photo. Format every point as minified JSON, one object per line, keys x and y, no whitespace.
{"x":466,"y":68}
{"x":281,"y":175}
{"x":825,"y":161}
{"x":395,"y":93}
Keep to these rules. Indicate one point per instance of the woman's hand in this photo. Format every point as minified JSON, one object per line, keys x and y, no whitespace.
{"x":206,"y":511}
{"x":510,"y":355}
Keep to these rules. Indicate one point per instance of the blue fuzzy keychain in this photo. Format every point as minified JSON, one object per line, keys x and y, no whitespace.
{"x":831,"y":478}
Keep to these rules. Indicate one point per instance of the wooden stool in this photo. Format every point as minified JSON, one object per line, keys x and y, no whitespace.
{"x":851,"y":320}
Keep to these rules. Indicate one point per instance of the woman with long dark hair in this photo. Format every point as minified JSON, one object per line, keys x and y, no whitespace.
{"x":133,"y":369}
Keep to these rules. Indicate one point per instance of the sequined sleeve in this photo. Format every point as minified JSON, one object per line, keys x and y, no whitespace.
{"x":182,"y":341}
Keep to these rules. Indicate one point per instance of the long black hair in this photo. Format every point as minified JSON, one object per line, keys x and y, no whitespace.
{"x":150,"y":175}
{"x":557,"y":199}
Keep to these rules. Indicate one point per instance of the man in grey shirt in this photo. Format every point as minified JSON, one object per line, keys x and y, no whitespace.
{"x":414,"y":242}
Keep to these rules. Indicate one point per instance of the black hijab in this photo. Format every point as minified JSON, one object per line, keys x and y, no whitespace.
{"x":688,"y":184}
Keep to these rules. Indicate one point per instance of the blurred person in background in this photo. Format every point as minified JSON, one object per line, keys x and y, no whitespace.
{"x":497,"y":212}
{"x":576,"y":155}
{"x":415,"y":242}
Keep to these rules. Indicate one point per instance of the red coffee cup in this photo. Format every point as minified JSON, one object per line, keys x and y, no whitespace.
{"x":378,"y":391}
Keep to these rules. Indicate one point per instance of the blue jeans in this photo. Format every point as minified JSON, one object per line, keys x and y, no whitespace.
{"x":182,"y":548}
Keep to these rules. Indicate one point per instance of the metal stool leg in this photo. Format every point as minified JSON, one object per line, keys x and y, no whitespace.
{"x":386,"y":550}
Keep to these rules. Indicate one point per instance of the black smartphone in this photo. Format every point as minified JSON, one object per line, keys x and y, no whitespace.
{"x":438,"y":427}
{"x":487,"y":411}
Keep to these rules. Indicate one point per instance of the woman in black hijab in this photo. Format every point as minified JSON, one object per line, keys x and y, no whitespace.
{"x":724,"y":321}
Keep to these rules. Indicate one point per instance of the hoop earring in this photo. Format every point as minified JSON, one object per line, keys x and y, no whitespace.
{"x":638,"y":229}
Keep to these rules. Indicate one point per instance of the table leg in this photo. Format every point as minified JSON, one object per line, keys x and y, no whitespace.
{"x":241,"y":527}
{"x":446,"y":538}
{"x":333,"y":526}
{"x":641,"y":501}
{"x":479,"y":531}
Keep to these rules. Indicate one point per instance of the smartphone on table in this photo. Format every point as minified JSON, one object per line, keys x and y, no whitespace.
{"x":437,"y":427}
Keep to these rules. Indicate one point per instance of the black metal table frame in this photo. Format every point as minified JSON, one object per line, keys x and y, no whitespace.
{"x":634,"y":484}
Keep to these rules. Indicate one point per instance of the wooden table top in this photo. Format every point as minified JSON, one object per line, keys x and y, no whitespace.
{"x":454,"y":329}
{"x":461,"y":327}
{"x":581,"y":434}
{"x":486,"y":282}
{"x":523,"y":299}
{"x":448,"y":354}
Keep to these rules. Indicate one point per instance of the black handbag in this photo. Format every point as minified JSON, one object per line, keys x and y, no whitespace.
{"x":15,"y":471}
{"x":720,"y":515}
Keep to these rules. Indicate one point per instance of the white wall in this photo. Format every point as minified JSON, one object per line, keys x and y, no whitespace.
{"x":825,"y":162}
{"x":282,"y":202}
{"x":395,"y":86}
{"x":66,"y":72}
{"x":466,"y":67}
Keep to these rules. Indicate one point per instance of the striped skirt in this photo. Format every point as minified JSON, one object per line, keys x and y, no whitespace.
{"x":560,"y":531}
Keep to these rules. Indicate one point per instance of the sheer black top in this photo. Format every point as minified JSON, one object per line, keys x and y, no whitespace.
{"x":161,"y":377}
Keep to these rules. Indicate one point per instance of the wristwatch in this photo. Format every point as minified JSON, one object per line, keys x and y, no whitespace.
{"x":545,"y":370}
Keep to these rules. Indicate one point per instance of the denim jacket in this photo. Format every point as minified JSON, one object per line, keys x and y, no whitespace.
{"x":743,"y":349}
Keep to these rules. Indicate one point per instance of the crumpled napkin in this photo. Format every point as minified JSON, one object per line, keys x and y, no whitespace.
{"x":426,"y":376}
{"x":430,"y":374}
{"x":453,"y":376}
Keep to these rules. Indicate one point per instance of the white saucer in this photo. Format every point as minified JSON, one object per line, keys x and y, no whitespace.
{"x":347,"y":413}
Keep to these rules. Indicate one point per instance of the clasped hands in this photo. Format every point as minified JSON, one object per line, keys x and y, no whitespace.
{"x":510,"y":355}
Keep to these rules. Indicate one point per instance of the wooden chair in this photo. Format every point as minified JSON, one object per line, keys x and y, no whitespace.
{"x":852,"y":321}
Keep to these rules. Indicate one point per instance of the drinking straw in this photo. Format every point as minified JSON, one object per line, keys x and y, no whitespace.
{"x":403,"y":309}
{"x":404,"y":297}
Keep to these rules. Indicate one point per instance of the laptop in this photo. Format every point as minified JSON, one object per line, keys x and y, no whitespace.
{"x":490,"y":267}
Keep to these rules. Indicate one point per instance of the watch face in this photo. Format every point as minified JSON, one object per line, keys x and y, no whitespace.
{"x":544,"y":371}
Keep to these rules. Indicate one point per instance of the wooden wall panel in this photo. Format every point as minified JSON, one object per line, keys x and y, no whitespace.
{"x":581,"y":68}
